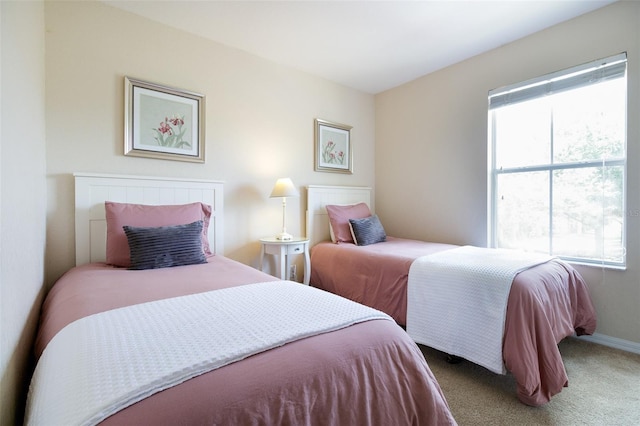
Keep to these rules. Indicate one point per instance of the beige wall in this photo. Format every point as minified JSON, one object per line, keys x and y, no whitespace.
{"x":22,"y":195}
{"x":259,"y":121}
{"x":431,"y":141}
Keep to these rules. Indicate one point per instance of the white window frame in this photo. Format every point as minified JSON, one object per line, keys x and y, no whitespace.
{"x":573,"y":78}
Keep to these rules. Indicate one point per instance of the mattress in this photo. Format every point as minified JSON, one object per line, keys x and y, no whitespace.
{"x":546,"y":304}
{"x":367,"y":373}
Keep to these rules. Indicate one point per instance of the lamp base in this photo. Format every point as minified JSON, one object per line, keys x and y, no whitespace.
{"x":284,"y":236}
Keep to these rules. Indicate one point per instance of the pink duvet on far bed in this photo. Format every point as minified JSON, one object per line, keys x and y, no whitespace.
{"x":375,"y":275}
{"x":546,"y":304}
{"x":368,"y":373}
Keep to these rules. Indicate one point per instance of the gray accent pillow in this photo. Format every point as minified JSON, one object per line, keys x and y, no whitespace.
{"x":367,"y":231}
{"x":165,"y":246}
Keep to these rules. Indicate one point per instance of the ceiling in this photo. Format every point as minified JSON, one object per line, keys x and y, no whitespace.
{"x":370,"y":46}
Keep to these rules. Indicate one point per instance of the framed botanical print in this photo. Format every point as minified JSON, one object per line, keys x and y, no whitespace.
{"x":163,"y":122}
{"x":333,"y":147}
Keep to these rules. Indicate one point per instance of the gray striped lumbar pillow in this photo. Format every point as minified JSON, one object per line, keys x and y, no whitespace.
{"x":165,"y":246}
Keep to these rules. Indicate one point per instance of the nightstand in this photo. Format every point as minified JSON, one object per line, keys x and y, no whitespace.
{"x":284,"y":249}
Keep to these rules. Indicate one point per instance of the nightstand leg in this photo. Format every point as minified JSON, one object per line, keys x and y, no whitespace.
{"x":283,"y":258}
{"x":287,"y":269}
{"x":307,"y":266}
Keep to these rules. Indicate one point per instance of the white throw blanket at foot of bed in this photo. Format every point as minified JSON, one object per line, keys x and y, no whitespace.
{"x":105,"y":362}
{"x":457,"y":301}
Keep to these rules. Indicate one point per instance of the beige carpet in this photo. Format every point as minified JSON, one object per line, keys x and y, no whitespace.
{"x":604,"y":389}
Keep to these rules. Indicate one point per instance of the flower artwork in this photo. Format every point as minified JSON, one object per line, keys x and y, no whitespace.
{"x":333,"y":147}
{"x":170,"y":133}
{"x":332,"y":155}
{"x":163,"y":122}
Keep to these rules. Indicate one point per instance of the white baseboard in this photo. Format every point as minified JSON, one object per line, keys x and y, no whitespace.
{"x":614,"y":342}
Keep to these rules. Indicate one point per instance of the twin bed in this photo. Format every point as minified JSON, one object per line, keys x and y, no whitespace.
{"x":207,"y":341}
{"x":517,"y":332}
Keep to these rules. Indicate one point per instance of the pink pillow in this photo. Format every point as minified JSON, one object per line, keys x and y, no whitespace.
{"x":339,"y":219}
{"x":141,"y":215}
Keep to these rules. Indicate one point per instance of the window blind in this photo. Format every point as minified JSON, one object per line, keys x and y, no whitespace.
{"x":582,"y":75}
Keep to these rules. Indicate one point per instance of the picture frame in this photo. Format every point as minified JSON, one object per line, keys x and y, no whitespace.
{"x":163,"y":122}
{"x":333,"y":151}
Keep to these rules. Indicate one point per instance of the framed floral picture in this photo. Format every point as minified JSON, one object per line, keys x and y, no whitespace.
{"x":163,"y":122}
{"x":333,"y":147}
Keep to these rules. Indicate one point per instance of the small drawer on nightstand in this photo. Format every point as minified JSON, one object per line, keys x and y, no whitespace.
{"x":295,"y":248}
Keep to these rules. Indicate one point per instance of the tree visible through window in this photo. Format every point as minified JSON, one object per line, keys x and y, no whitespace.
{"x":557,"y":163}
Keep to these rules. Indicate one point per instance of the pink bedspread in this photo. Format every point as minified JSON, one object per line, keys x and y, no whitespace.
{"x":368,"y":373}
{"x":546,"y":304}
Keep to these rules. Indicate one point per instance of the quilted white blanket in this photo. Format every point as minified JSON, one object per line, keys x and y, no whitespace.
{"x":457,"y":301}
{"x":103,"y":363}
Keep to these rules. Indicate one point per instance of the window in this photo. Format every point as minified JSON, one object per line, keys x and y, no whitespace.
{"x":557,"y":164}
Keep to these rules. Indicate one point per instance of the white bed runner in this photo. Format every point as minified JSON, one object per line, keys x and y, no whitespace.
{"x":103,"y":363}
{"x":457,"y":301}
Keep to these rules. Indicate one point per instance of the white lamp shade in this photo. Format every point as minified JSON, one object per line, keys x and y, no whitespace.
{"x":284,"y":188}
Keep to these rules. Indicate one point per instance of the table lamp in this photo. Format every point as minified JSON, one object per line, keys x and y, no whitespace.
{"x":284,"y":188}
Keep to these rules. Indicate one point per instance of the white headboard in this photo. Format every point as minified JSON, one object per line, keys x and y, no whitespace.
{"x":319,"y":196}
{"x":92,"y":190}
